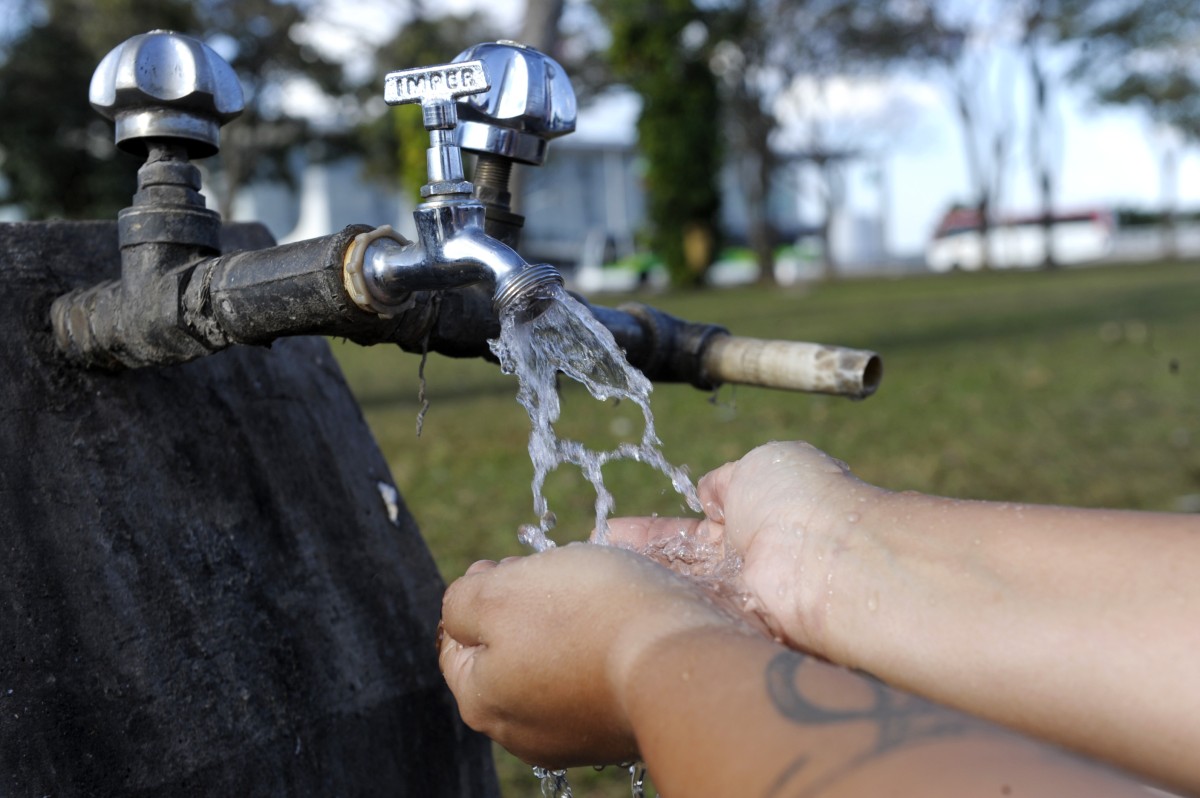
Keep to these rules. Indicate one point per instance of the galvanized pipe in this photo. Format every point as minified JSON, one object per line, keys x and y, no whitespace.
{"x":792,"y":366}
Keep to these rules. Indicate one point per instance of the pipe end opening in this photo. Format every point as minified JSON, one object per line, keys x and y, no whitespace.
{"x":525,"y":288}
{"x":872,"y":375}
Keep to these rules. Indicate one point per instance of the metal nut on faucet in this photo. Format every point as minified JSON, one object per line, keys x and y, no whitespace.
{"x":164,"y":85}
{"x":531,"y":101}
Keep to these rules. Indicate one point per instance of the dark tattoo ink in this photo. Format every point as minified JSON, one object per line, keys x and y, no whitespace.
{"x":901,"y":720}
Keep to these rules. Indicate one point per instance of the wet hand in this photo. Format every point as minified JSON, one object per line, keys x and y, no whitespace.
{"x":539,"y":650}
{"x":787,"y":509}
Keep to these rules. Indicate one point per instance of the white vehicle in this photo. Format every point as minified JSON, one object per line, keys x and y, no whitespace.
{"x":1018,"y":243}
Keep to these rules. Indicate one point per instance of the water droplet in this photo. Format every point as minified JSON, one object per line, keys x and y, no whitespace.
{"x":553,"y":783}
{"x":637,"y":780}
{"x":852,"y":518}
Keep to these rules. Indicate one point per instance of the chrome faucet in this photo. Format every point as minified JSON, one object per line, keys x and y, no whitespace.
{"x":531,"y":102}
{"x":452,"y":249}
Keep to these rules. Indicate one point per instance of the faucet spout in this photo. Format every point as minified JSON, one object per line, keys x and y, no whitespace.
{"x":451,"y":251}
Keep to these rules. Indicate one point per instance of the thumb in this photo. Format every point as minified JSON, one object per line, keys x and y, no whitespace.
{"x":461,"y":606}
{"x":712,"y":490}
{"x":457,"y":661}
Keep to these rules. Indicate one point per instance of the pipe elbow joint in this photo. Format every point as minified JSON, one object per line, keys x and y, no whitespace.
{"x":382,"y":269}
{"x":116,"y":325}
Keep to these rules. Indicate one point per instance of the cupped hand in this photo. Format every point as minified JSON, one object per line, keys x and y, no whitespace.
{"x":539,"y":650}
{"x":786,"y":509}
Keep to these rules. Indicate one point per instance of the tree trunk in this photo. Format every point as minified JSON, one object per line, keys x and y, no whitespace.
{"x":1170,"y":183}
{"x":984,"y":209}
{"x":539,"y":28}
{"x":757,"y":171}
{"x":760,"y":232}
{"x":1039,"y":147}
{"x":1049,"y":259}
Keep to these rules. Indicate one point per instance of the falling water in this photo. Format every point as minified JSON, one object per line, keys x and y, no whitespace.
{"x":554,"y":783}
{"x":553,"y":334}
{"x":637,"y":780}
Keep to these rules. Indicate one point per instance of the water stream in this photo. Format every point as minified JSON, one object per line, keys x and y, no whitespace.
{"x":554,"y":334}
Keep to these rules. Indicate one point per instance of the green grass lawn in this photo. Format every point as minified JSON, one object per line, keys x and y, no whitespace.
{"x":1074,"y":387}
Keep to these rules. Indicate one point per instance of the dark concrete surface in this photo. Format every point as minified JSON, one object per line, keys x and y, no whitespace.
{"x":201,"y":592}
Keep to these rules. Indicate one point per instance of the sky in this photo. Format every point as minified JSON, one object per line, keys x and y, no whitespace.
{"x":1110,"y":156}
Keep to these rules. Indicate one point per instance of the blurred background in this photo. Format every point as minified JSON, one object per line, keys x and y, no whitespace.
{"x":1001,"y":198}
{"x":718,"y":141}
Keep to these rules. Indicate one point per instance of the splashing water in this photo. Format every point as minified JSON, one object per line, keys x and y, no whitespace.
{"x":637,"y":780}
{"x":554,"y":783}
{"x":556,"y":333}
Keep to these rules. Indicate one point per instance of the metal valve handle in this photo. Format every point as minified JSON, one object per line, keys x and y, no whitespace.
{"x":530,"y":103}
{"x":437,"y":88}
{"x":163,"y":85}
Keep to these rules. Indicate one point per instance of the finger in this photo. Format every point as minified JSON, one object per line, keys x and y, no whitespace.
{"x":713,"y":488}
{"x":457,"y":662}
{"x":480,"y":565}
{"x":638,"y":533}
{"x":461,"y":605}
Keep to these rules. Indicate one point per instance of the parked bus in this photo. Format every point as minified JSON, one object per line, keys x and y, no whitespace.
{"x":1019,"y":242}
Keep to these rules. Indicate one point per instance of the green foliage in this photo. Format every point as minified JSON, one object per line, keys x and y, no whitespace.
{"x":1140,"y":53}
{"x":1080,"y":386}
{"x":58,"y":155}
{"x":656,"y":50}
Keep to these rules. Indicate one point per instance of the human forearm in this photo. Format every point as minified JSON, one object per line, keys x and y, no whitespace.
{"x":1077,"y":626}
{"x":1074,"y":626}
{"x":718,"y":714}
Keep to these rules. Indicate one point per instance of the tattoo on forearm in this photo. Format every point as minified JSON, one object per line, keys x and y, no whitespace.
{"x":901,"y":720}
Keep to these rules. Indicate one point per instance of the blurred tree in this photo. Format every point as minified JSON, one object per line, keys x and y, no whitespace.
{"x":1139,"y":52}
{"x":59,"y":159}
{"x":661,"y":50}
{"x":781,"y":56}
{"x":1125,"y":52}
{"x":260,"y":39}
{"x":959,"y":40}
{"x":1142,"y":53}
{"x":1038,"y":25}
{"x":744,"y":59}
{"x":539,"y":27}
{"x":983,"y":91}
{"x":1131,"y":52}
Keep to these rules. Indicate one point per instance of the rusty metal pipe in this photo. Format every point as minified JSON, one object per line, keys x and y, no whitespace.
{"x":256,"y":296}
